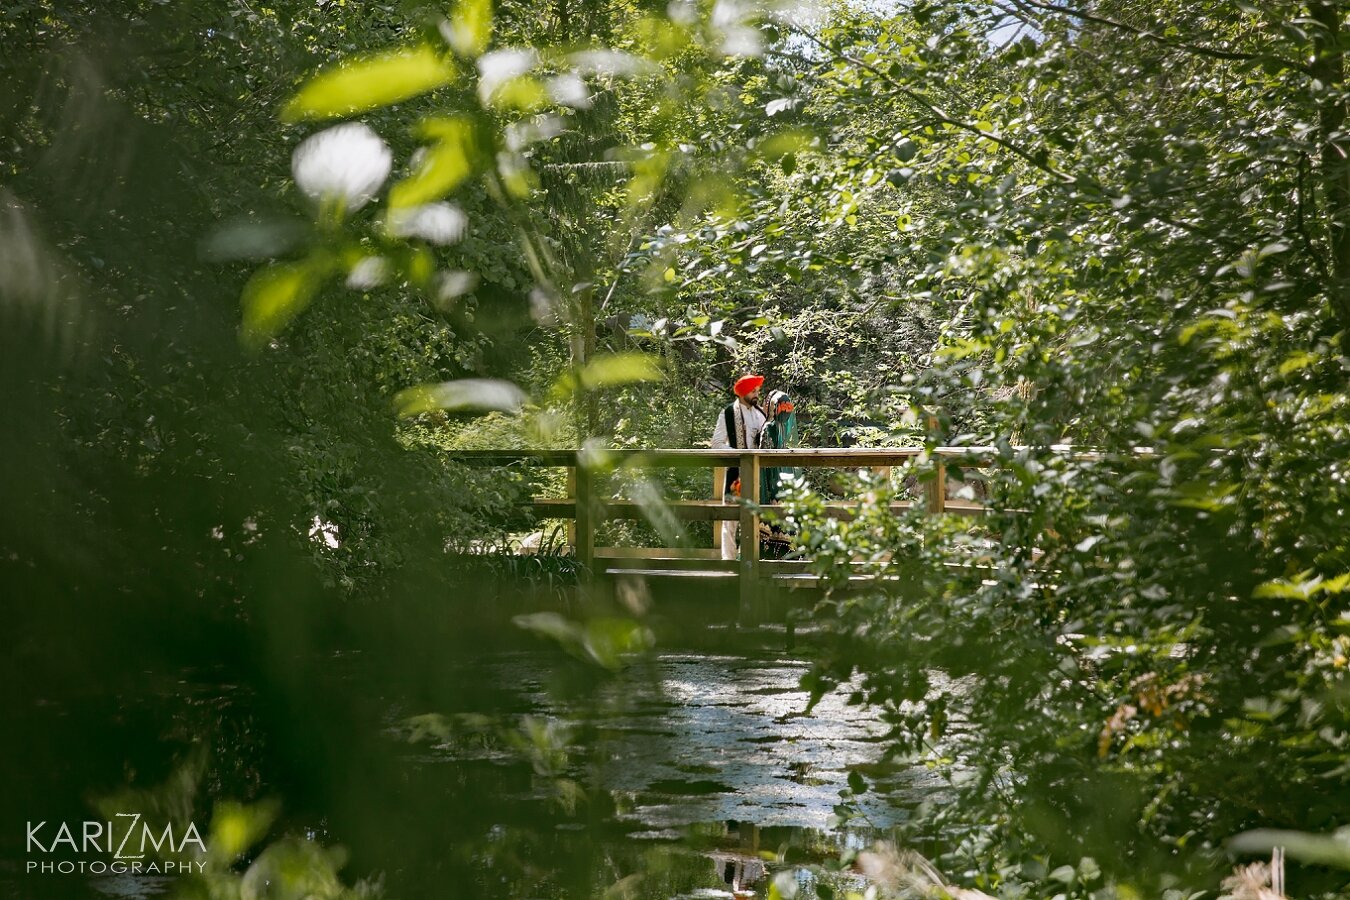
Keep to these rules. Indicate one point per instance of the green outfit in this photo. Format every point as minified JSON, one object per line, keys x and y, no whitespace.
{"x":779,"y":434}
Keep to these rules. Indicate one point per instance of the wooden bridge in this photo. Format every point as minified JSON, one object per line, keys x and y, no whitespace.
{"x":584,"y":508}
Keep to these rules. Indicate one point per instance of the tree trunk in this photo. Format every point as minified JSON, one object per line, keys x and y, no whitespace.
{"x":583,"y":351}
{"x":1328,"y":67}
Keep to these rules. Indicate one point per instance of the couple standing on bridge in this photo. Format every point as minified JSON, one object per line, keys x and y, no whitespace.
{"x":754,"y":423}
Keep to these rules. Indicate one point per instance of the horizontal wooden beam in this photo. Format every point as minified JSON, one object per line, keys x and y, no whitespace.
{"x":674,"y":564}
{"x":696,"y":510}
{"x":836,"y":457}
{"x":658,"y":553}
{"x":717,"y":511}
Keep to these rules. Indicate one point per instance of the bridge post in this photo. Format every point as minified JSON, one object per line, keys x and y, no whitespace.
{"x":749,"y":567}
{"x":937,"y":488}
{"x":719,"y":492}
{"x":572,"y":493}
{"x":584,"y":496}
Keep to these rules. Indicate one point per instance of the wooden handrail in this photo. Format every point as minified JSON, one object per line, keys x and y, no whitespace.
{"x":585,"y":509}
{"x":804,"y":456}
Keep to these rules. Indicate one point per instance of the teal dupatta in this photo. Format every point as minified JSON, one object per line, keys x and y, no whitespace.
{"x":780,"y":433}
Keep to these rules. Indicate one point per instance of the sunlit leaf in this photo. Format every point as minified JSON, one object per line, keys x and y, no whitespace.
{"x":293,"y":867}
{"x":608,"y":640}
{"x":441,"y":167}
{"x":470,"y":27}
{"x":275,"y":295}
{"x":785,"y":142}
{"x":235,"y":828}
{"x":605,"y":641}
{"x":464,"y":395}
{"x":498,"y":68}
{"x":548,"y":624}
{"x":648,"y":497}
{"x":370,"y":82}
{"x":524,"y":93}
{"x":609,"y":370}
{"x":1297,"y":361}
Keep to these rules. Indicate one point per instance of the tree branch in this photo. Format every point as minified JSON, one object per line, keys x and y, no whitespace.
{"x":1197,"y":49}
{"x":941,"y":115}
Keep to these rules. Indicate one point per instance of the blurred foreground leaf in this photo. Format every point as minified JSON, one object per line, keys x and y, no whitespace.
{"x":464,"y":395}
{"x":443,"y":166}
{"x":236,"y":827}
{"x":1317,"y":849}
{"x":294,"y":869}
{"x":470,"y":27}
{"x":370,"y":82}
{"x":276,"y":295}
{"x":604,"y":640}
{"x":609,"y":370}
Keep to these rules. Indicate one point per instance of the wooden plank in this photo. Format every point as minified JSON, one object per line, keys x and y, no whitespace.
{"x":617,"y":564}
{"x":656,"y":572}
{"x":772,"y":567}
{"x":509,"y":457}
{"x":843,"y":457}
{"x":556,"y":508}
{"x":717,"y":511}
{"x":697,"y":510}
{"x":749,"y":569}
{"x":838,"y":457}
{"x":657,"y":553}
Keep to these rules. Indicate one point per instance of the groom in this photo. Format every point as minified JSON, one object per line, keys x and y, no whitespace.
{"x":738,"y":426}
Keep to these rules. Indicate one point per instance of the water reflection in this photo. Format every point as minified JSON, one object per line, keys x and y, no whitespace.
{"x":526,"y":773}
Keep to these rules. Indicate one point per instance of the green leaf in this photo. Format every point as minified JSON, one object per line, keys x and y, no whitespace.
{"x":446,"y":164}
{"x":1316,"y":849}
{"x":369,"y":83}
{"x":604,"y":640}
{"x":470,"y":27}
{"x":550,"y":625}
{"x":1064,"y":874}
{"x":524,"y":93}
{"x":464,"y":395}
{"x":236,"y":827}
{"x":275,"y":295}
{"x":607,"y":640}
{"x":1297,"y":361}
{"x":619,"y":368}
{"x":609,"y":370}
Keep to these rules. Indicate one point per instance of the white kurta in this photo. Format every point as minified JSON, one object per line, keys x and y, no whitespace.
{"x":754,"y":422}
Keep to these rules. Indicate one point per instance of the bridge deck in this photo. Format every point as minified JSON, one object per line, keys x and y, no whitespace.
{"x":583,"y":508}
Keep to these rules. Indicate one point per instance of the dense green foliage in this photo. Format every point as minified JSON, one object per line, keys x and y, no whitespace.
{"x":1009,"y":226}
{"x":1141,"y":250}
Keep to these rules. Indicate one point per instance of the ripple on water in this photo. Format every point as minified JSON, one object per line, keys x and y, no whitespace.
{"x":733,"y":743}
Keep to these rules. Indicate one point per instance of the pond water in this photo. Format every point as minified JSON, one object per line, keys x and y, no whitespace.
{"x":523,"y":773}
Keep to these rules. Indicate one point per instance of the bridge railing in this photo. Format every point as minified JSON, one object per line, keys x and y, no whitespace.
{"x":584,"y":508}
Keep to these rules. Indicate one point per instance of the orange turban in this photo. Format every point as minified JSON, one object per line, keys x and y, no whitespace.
{"x":746,"y":386}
